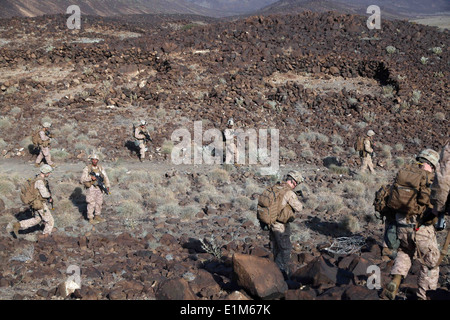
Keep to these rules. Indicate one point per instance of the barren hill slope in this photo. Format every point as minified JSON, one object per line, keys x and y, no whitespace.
{"x":32,"y":8}
{"x":320,"y":79}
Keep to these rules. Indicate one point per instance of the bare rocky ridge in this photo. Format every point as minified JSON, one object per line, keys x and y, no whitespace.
{"x":33,"y":8}
{"x":321,"y":79}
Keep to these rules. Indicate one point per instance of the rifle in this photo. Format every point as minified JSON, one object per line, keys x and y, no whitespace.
{"x":50,"y":198}
{"x":147,"y":136}
{"x":444,"y":248}
{"x":99,"y":182}
{"x":48,"y":133}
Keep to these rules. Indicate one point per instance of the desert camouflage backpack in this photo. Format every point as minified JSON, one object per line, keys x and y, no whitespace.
{"x":36,"y":138}
{"x":405,"y":190}
{"x":269,"y":204}
{"x":30,"y":195}
{"x":359,"y":145}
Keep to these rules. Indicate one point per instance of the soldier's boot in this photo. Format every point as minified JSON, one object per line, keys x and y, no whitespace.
{"x":392,"y":287}
{"x":16,"y":228}
{"x":37,"y":165}
{"x":99,"y":219}
{"x":93,"y":221}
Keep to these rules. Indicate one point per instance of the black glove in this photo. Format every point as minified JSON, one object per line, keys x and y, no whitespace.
{"x":291,"y":219}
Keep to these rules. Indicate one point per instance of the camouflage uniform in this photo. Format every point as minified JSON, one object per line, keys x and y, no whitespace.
{"x":94,"y":195}
{"x":366,"y":160}
{"x":280,"y":231}
{"x":232,"y":153}
{"x":140,"y":137}
{"x":440,"y":190}
{"x":420,"y":244}
{"x":44,"y":149}
{"x":231,"y":149}
{"x":43,"y":214}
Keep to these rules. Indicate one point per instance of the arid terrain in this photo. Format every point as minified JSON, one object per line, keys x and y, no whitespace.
{"x":321,"y":79}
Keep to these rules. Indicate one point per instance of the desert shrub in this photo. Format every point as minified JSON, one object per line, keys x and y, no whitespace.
{"x":386,"y":151}
{"x":350,"y":224}
{"x":307,"y":154}
{"x":337,"y":139}
{"x":312,"y":136}
{"x":15,"y":110}
{"x":439,"y":116}
{"x":251,"y":187}
{"x":416,"y":96}
{"x":59,"y":154}
{"x":365,"y":178}
{"x":399,"y":162}
{"x":7,"y":187}
{"x":5,"y":123}
{"x":391,"y":49}
{"x":179,"y":184}
{"x":353,"y":188}
{"x":161,"y":195}
{"x":167,"y":147}
{"x":169,"y":209}
{"x":243,"y":203}
{"x":210,"y":195}
{"x":388,"y":91}
{"x":436,"y":50}
{"x":188,"y":212}
{"x":131,"y":195}
{"x":299,"y":233}
{"x":117,"y":174}
{"x":423,"y":60}
{"x":399,"y":147}
{"x":338,"y":169}
{"x":337,"y":150}
{"x":67,"y":213}
{"x":130,"y":209}
{"x":218,"y":176}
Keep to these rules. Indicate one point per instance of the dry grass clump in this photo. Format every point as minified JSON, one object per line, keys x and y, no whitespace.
{"x":179,"y":184}
{"x":210,"y":195}
{"x":131,"y":210}
{"x":66,"y":213}
{"x":353,"y":189}
{"x":218,"y":176}
{"x":161,"y":195}
{"x":170,"y":209}
{"x":338,"y":169}
{"x":244,"y":203}
{"x":350,"y":224}
{"x":324,"y":200}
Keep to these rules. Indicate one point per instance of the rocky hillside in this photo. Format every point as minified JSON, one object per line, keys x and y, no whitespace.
{"x":33,"y":8}
{"x":389,"y":9}
{"x":321,"y":79}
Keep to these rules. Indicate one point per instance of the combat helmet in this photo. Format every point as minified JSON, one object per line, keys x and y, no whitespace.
{"x":429,"y":155}
{"x":296,"y":175}
{"x":45,"y":168}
